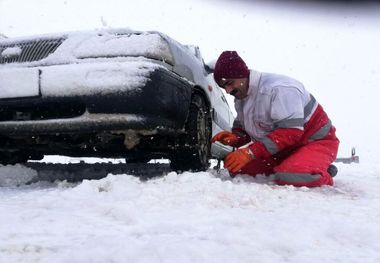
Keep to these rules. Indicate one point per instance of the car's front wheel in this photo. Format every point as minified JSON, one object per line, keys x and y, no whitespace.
{"x":193,"y":149}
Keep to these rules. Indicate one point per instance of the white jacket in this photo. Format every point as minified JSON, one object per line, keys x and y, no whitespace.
{"x":273,"y":101}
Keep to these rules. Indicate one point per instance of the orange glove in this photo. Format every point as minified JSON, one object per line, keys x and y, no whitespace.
{"x":238,"y":159}
{"x":226,"y":137}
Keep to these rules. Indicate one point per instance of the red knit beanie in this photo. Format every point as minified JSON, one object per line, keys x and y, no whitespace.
{"x":230,"y":66}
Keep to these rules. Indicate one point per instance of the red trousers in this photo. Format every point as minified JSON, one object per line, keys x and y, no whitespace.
{"x":305,"y":165}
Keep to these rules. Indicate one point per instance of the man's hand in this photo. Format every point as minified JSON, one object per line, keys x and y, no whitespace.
{"x":238,"y":159}
{"x":226,"y":138}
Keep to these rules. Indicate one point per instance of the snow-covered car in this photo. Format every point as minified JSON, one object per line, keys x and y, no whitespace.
{"x":112,"y":93}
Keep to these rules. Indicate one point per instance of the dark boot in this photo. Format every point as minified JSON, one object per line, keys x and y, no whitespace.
{"x":332,"y":170}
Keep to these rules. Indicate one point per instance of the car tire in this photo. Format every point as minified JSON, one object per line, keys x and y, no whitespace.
{"x":11,"y":159}
{"x":193,"y":150}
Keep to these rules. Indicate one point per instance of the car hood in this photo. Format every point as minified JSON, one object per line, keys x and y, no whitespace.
{"x":74,"y":47}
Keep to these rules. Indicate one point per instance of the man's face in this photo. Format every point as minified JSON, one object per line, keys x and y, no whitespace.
{"x":235,"y":87}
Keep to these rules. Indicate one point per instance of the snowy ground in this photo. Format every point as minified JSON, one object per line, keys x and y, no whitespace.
{"x":189,"y":217}
{"x":208,"y":217}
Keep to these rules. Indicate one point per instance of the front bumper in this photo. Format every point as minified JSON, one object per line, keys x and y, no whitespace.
{"x":161,"y":104}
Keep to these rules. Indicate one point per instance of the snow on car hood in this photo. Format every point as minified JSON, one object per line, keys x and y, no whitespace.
{"x":85,"y":63}
{"x":77,"y":46}
{"x":107,"y":45}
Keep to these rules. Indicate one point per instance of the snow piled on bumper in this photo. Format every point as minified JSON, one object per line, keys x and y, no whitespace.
{"x":95,"y":78}
{"x":76,"y":79}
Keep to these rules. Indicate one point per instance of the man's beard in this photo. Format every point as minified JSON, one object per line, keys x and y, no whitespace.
{"x":233,"y":92}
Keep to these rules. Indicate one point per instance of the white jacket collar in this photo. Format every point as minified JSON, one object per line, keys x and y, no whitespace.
{"x":254,"y":80}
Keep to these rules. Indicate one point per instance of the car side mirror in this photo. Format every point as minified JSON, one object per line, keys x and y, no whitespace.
{"x":209,"y":67}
